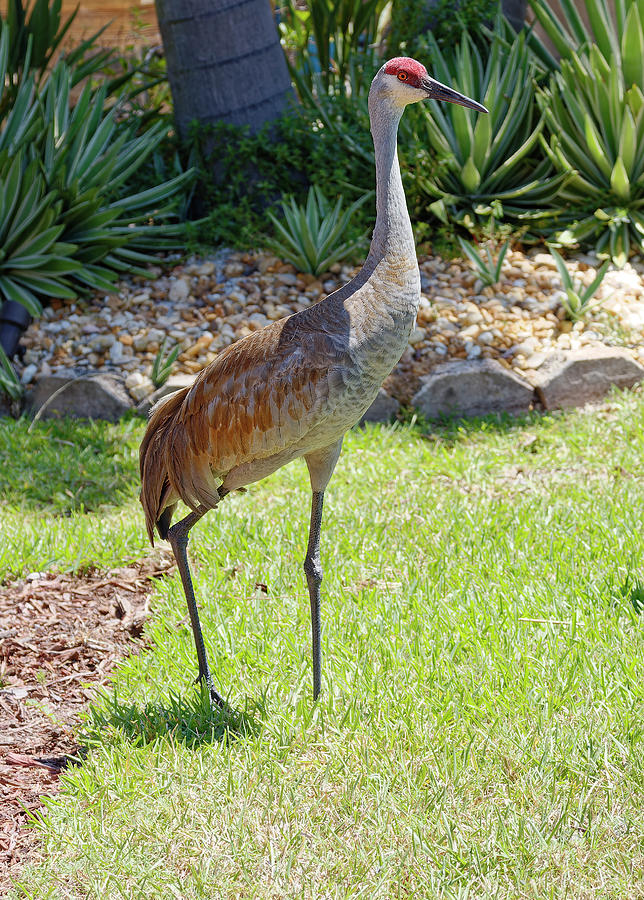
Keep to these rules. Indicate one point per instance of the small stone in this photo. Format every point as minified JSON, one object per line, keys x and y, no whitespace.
{"x":535,"y":360}
{"x":417,"y":336}
{"x":28,"y":374}
{"x":179,"y":290}
{"x":266,"y":262}
{"x":238,"y":296}
{"x":474,"y":317}
{"x":116,"y":353}
{"x":467,"y":334}
{"x":133,"y":380}
{"x":102,"y":342}
{"x":257,"y":321}
{"x":141,"y":389}
{"x":526,"y":347}
{"x":234,"y":269}
{"x":442,"y":324}
{"x":286,"y":278}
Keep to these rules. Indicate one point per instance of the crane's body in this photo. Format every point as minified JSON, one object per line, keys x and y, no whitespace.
{"x":294,"y":388}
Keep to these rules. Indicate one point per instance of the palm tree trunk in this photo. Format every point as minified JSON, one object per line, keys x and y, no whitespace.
{"x":224,"y":60}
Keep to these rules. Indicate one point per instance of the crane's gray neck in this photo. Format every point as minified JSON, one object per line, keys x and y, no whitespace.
{"x":390,"y":273}
{"x":392,"y":235}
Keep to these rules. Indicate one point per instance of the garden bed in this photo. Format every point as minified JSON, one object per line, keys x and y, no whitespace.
{"x":61,"y":637}
{"x":207,"y":304}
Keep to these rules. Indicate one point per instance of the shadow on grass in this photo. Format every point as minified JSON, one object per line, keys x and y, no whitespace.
{"x":64,"y":466}
{"x":452,"y":430}
{"x":190,"y":720}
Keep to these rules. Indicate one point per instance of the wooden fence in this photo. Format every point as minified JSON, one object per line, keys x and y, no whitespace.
{"x":132,"y":22}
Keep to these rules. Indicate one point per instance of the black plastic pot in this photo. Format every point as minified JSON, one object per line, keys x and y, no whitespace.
{"x":14,"y":319}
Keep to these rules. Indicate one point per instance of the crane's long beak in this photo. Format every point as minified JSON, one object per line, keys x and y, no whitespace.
{"x":437,"y":91}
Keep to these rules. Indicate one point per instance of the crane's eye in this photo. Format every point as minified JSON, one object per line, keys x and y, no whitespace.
{"x":402,"y":76}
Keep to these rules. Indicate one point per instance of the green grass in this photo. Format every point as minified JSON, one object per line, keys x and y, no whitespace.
{"x":481,"y":729}
{"x":69,"y":495}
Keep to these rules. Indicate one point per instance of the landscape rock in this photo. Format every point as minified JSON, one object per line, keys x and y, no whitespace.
{"x":383,"y":408}
{"x":99,"y":396}
{"x":179,"y":289}
{"x":472,"y":388}
{"x":174,"y":383}
{"x":573,"y":378}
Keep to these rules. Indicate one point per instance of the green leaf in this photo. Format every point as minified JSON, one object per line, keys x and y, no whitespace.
{"x":562,"y":268}
{"x":619,"y":181}
{"x":470,"y":176}
{"x":628,"y":140}
{"x":12,"y":291}
{"x":633,"y":48}
{"x":595,"y":148}
{"x":592,"y":288}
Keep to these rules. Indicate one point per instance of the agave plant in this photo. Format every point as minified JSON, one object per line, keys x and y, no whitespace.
{"x":33,"y":39}
{"x":611,"y":26}
{"x":578,"y":299}
{"x":33,"y":262}
{"x":67,"y":219}
{"x":42,"y":27}
{"x":486,"y":267}
{"x":10,"y":384}
{"x":312,"y":236}
{"x":492,"y":157}
{"x":163,"y":363}
{"x":88,"y":157}
{"x":594,"y":109}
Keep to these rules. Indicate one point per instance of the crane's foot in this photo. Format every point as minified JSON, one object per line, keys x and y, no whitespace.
{"x":215,"y":698}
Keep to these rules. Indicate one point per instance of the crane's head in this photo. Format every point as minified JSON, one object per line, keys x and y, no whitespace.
{"x":404,"y":80}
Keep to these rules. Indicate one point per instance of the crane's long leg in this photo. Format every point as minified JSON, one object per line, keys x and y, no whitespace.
{"x":178,"y":537}
{"x":321,"y":464}
{"x":313,"y":570}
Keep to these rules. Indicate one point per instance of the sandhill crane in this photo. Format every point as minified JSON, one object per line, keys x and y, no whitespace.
{"x":295,"y":387}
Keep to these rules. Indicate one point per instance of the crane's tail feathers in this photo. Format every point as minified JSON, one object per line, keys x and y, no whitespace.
{"x":171,"y":467}
{"x":157,"y":493}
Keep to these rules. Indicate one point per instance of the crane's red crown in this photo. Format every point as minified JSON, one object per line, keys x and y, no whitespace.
{"x":406,"y":69}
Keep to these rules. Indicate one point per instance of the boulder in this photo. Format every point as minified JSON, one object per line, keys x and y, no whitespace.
{"x":174,"y":383}
{"x":99,"y":396}
{"x":577,"y":377}
{"x":472,"y":388}
{"x":383,"y":408}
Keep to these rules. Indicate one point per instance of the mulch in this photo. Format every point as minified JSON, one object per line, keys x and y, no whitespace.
{"x":60,"y":636}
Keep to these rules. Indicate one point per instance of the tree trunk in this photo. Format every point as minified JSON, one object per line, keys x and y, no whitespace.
{"x":515,"y":12}
{"x":225,"y":61}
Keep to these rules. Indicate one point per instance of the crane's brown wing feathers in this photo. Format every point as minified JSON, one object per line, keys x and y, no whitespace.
{"x":257,"y":398}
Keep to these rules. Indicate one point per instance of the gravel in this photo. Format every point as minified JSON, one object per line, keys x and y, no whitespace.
{"x":207,"y":304}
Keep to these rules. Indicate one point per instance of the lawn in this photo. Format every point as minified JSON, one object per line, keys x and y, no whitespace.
{"x":480,"y":732}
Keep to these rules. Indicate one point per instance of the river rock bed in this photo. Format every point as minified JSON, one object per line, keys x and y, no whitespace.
{"x":208,"y":303}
